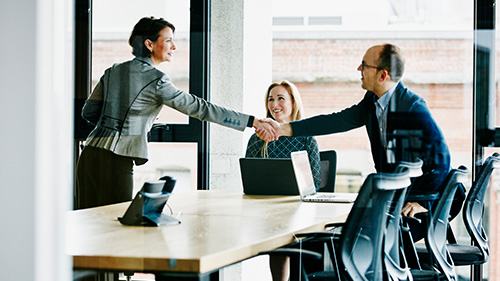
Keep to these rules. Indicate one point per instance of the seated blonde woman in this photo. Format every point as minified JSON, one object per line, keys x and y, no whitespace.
{"x":283,"y":104}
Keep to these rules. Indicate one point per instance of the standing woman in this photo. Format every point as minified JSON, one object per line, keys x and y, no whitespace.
{"x":124,"y":105}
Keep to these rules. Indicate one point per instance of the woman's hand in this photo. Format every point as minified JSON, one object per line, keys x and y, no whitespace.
{"x":266,"y":130}
{"x":281,"y":129}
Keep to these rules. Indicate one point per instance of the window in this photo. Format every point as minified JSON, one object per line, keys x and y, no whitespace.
{"x":322,"y":60}
{"x":174,"y":133}
{"x":111,"y":29}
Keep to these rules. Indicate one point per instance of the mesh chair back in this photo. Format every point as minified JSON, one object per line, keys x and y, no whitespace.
{"x":395,"y":264}
{"x":328,"y":160}
{"x":474,"y":205}
{"x":438,"y":224}
{"x":361,"y":242}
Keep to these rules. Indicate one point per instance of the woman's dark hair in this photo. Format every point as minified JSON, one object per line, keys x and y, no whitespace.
{"x":146,"y":28}
{"x":392,"y":59}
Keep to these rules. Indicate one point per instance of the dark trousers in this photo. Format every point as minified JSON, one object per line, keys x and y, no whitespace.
{"x":103,"y":178}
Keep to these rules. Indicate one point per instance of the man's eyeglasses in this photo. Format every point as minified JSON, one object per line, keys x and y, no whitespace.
{"x":364,"y":65}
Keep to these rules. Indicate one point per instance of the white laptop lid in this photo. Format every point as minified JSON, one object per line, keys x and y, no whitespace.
{"x":303,"y":173}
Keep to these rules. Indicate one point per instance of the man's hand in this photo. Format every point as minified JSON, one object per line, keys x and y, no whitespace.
{"x":285,"y":129}
{"x":265,"y":130}
{"x":282,"y":129}
{"x":413,"y":208}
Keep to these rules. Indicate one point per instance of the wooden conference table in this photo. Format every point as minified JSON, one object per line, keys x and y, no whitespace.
{"x":218,"y":228}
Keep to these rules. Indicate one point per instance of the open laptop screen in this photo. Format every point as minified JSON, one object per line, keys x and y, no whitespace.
{"x":268,"y":176}
{"x":303,"y":173}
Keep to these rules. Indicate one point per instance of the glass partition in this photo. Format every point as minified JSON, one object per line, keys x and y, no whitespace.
{"x":321,"y":52}
{"x":319,"y":47}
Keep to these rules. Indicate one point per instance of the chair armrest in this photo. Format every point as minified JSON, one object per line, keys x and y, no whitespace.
{"x":334,"y":224}
{"x":320,"y":234}
{"x":313,"y":235}
{"x":294,"y":253}
{"x":422,"y":197}
{"x":408,"y":218}
{"x":450,"y":236}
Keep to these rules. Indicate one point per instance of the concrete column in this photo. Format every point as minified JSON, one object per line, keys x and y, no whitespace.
{"x":241,"y":71}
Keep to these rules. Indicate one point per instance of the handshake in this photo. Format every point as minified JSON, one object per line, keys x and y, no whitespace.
{"x":269,"y":130}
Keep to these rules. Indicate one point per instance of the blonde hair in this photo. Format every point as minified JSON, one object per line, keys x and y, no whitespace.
{"x":297,"y":108}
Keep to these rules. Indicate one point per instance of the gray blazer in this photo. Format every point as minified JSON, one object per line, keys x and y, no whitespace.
{"x":127,"y":100}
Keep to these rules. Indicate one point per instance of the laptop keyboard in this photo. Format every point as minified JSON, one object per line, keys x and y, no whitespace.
{"x":324,"y":196}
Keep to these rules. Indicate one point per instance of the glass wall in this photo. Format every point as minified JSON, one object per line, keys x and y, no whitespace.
{"x":319,"y":47}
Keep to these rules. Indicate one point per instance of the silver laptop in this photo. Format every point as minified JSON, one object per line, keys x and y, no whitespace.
{"x":305,"y":182}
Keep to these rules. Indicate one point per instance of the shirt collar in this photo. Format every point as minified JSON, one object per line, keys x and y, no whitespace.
{"x":383,"y":101}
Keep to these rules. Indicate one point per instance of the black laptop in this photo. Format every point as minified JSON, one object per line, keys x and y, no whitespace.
{"x":268,"y":176}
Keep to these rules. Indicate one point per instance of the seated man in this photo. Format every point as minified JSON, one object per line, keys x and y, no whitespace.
{"x":387,"y":106}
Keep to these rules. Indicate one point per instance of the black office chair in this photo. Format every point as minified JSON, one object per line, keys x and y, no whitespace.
{"x":360,"y":244}
{"x":328,"y":160}
{"x":395,"y":263}
{"x":414,"y":168}
{"x":395,"y":259}
{"x":438,"y":222}
{"x":472,"y":214}
{"x":94,"y":275}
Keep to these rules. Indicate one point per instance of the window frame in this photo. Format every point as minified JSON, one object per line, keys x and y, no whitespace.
{"x":199,"y":81}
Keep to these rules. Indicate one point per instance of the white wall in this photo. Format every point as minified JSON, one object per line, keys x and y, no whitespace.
{"x":36,"y":115}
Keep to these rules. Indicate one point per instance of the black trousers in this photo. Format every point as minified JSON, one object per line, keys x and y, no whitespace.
{"x":103,"y":178}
